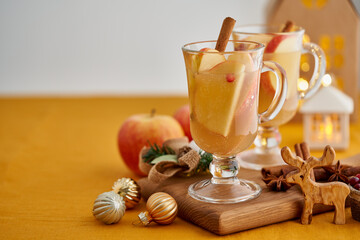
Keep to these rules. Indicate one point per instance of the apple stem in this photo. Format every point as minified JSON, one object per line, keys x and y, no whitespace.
{"x":152,"y":113}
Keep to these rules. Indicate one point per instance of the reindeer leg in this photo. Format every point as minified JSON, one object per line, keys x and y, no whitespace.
{"x":339,"y":215}
{"x":306,"y":216}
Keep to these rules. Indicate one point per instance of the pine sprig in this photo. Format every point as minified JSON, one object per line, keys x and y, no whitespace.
{"x":156,"y":151}
{"x":205,"y":160}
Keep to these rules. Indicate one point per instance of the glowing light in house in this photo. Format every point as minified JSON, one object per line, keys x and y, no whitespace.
{"x":326,"y":80}
{"x":305,"y":67}
{"x":328,"y":128}
{"x":303,"y":85}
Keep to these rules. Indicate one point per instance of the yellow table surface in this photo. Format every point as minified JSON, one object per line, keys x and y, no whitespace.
{"x":58,"y":154}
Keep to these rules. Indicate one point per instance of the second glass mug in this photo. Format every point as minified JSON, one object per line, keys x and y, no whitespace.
{"x":284,"y":48}
{"x":223,"y":92}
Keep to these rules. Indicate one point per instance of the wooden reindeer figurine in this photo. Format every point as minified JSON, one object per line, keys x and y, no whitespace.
{"x":331,"y":193}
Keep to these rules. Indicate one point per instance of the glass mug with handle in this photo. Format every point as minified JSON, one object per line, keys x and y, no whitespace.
{"x":223,"y":92}
{"x":284,"y":48}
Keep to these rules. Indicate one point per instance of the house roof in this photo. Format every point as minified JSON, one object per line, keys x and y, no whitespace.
{"x":356,"y":4}
{"x":328,"y":100}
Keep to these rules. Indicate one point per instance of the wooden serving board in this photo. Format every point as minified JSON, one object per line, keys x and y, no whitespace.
{"x":270,"y":207}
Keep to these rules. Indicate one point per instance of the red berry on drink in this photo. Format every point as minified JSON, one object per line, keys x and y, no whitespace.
{"x":230,"y":77}
{"x":354,"y":180}
{"x":358,"y":175}
{"x":357,"y":186}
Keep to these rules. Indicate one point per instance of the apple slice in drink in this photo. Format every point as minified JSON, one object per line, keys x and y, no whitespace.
{"x":268,"y":82}
{"x":203,"y":62}
{"x":209,"y":59}
{"x":282,"y":43}
{"x":267,"y":90}
{"x":217,"y":94}
{"x":261,"y":38}
{"x":246,"y":114}
{"x":244,"y":58}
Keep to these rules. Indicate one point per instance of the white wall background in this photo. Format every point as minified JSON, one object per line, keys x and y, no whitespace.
{"x":116,"y":47}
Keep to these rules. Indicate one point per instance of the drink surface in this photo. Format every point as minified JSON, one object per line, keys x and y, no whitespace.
{"x":223,"y":103}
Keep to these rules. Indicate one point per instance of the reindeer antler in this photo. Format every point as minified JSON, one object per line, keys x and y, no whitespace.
{"x":291,"y":159}
{"x":326,"y":159}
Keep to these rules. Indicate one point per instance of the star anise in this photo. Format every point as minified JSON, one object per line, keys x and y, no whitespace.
{"x":335,"y":172}
{"x":277,"y":183}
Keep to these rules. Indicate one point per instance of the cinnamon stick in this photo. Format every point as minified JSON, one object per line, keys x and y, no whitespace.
{"x":288,"y":26}
{"x":225,"y":33}
{"x":319,"y":173}
{"x":305,"y":150}
{"x":302,"y":150}
{"x":351,"y":171}
{"x":298,"y":150}
{"x":277,"y":170}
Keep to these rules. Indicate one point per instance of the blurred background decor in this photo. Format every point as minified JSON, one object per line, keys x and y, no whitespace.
{"x":335,"y":26}
{"x":326,"y":118}
{"x":94,"y":47}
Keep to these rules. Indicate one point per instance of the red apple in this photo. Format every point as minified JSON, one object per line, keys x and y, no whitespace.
{"x":182,"y":115}
{"x":138,"y":130}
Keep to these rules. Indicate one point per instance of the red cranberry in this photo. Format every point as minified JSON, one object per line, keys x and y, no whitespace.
{"x":357,"y":186}
{"x":353,"y":180}
{"x":358,"y":175}
{"x":230,"y":77}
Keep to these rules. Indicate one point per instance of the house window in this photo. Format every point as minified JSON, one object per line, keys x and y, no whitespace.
{"x":325,"y":128}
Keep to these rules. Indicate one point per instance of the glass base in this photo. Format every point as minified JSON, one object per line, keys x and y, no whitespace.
{"x":257,"y":159}
{"x":224,"y":191}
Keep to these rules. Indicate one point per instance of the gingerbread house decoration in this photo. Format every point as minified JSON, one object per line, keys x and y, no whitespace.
{"x":335,"y":26}
{"x":326,"y":119}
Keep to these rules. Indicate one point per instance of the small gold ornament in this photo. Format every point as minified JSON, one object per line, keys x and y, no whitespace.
{"x":129,"y":190}
{"x":161,"y":208}
{"x":109,"y":207}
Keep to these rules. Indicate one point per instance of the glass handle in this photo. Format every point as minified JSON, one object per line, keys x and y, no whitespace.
{"x":319,"y":69}
{"x":280,"y":93}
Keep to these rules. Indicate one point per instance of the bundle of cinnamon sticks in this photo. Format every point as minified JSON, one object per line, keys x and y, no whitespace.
{"x":335,"y":172}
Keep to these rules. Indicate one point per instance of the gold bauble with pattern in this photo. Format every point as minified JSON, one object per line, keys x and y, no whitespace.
{"x":129,"y":190}
{"x":161,"y":208}
{"x":109,"y":207}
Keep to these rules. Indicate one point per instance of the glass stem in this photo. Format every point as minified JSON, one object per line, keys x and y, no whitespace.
{"x":267,"y":139}
{"x":224,"y":170}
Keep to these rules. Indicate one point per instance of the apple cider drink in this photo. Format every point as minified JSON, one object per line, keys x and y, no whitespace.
{"x":223,"y":90}
{"x":283,"y":45}
{"x":223,"y":86}
{"x":285,"y":49}
{"x":223,"y":107}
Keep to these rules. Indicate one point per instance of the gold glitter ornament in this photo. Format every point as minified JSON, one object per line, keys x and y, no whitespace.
{"x":129,"y":190}
{"x":161,"y":208}
{"x":109,"y":207}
